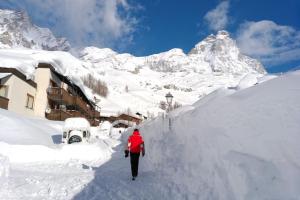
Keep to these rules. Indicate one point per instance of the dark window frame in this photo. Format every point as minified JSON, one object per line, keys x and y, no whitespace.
{"x":27,"y":101}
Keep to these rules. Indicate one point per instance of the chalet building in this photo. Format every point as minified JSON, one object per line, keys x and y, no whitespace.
{"x":130,"y":118}
{"x":22,"y":101}
{"x":50,"y":95}
{"x":122,"y":120}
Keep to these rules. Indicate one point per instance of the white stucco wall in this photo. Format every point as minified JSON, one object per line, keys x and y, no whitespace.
{"x":18,"y":100}
{"x":42,"y":79}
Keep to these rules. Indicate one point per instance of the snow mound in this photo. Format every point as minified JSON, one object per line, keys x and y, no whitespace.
{"x":247,"y":81}
{"x":4,"y":167}
{"x":17,"y":129}
{"x":95,"y":153}
{"x":239,"y":146}
{"x":76,"y":123}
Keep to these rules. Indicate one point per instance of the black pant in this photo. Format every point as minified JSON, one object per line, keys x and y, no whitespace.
{"x":134,"y":160}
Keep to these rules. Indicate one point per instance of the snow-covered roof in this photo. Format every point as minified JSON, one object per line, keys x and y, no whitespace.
{"x":3,"y":75}
{"x":8,"y":71}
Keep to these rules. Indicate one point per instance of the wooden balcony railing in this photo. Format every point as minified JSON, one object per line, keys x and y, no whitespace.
{"x":61,"y":115}
{"x":75,"y":106}
{"x":82,"y":104}
{"x":58,"y":115}
{"x":4,"y":102}
{"x":60,"y":95}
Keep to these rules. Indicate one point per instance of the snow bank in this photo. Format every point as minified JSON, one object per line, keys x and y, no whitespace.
{"x":95,"y":153}
{"x":17,"y":129}
{"x":27,"y":140}
{"x":76,"y":123}
{"x":4,"y":167}
{"x":247,"y":81}
{"x":104,"y":129}
{"x":239,"y":146}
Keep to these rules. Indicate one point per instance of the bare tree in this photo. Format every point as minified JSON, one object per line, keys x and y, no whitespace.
{"x":97,"y":86}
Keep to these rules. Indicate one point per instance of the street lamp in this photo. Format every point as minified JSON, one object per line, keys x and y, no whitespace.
{"x":169,"y":98}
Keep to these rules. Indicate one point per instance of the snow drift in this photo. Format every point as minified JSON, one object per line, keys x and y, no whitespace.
{"x":243,"y":145}
{"x":34,"y":140}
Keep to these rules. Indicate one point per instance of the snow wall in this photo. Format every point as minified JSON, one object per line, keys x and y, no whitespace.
{"x":244,"y":145}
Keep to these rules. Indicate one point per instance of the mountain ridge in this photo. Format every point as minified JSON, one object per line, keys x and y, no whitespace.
{"x":17,"y":30}
{"x":140,"y":83}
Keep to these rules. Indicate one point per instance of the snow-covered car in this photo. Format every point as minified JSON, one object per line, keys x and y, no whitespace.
{"x":76,"y":129}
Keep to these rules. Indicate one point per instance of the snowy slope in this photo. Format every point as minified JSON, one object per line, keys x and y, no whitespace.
{"x":243,"y":145}
{"x":15,"y":129}
{"x":214,"y":62}
{"x":16,"y":30}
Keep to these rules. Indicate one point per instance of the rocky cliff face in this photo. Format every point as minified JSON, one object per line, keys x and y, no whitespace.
{"x":16,"y":30}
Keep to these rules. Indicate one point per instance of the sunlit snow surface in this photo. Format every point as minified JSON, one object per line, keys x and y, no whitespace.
{"x":232,"y":144}
{"x":139,"y":84}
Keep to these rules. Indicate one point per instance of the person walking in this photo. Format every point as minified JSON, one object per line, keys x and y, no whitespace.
{"x":135,"y":145}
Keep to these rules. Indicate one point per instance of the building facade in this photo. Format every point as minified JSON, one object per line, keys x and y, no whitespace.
{"x":17,"y":94}
{"x":50,"y":95}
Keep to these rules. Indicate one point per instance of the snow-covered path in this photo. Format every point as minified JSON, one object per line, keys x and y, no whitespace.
{"x":44,"y":181}
{"x":113,"y":181}
{"x":74,"y":180}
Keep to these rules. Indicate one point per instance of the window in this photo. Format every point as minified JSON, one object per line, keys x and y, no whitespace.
{"x":3,"y":90}
{"x":29,"y":102}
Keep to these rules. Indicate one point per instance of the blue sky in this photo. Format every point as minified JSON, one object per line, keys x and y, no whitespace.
{"x":268,"y":30}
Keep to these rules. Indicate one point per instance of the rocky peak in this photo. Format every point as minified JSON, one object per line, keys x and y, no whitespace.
{"x":17,"y":30}
{"x":223,"y":55}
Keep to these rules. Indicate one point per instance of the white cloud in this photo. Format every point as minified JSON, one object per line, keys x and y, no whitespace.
{"x":217,"y":18}
{"x":271,"y":43}
{"x":93,"y":22}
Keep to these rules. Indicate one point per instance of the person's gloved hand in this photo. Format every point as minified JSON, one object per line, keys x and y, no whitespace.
{"x":126,"y":153}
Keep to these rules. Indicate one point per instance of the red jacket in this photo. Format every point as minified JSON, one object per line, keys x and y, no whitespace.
{"x":136,"y":143}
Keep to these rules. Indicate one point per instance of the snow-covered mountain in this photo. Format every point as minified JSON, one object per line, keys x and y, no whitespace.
{"x":134,"y":83}
{"x":213,"y":63}
{"x":17,"y":30}
{"x":215,"y":54}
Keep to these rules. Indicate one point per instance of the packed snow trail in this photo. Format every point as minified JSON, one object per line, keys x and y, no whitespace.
{"x":113,"y":181}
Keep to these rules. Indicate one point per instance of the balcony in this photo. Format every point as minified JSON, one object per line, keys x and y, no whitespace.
{"x":60,"y":95}
{"x":4,"y":102}
{"x":81,"y":104}
{"x":58,"y":115}
{"x":61,"y":115}
{"x":73,"y":106}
